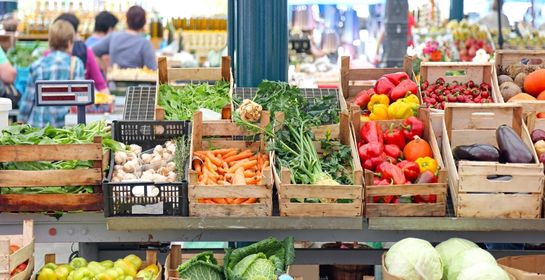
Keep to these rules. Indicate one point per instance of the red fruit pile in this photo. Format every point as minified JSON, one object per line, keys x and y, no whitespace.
{"x":435,"y":95}
{"x":469,"y":48}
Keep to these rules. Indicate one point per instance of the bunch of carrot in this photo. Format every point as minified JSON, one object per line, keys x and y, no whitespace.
{"x":229,"y":167}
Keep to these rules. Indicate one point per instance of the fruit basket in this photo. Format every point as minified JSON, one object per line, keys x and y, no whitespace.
{"x":16,"y":254}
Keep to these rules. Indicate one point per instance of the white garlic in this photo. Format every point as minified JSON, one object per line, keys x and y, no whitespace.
{"x":171,"y":166}
{"x":120,"y":157}
{"x":135,"y":148}
{"x":146,"y":158}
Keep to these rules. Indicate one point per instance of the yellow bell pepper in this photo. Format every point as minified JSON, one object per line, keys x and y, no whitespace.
{"x":378,"y":99}
{"x":364,"y":118}
{"x":379,"y":112}
{"x":153,"y":268}
{"x":427,"y":164}
{"x":400,"y":110}
{"x":411,"y":98}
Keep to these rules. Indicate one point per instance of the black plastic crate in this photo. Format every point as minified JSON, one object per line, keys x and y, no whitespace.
{"x":145,"y":198}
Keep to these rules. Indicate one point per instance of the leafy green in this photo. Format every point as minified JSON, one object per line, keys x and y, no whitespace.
{"x":334,"y":158}
{"x":201,"y":267}
{"x":79,"y":134}
{"x":182,"y":103}
{"x":22,"y":55}
{"x":182,"y":156}
{"x":266,"y":259}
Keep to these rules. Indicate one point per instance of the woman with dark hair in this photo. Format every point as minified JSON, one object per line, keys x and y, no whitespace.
{"x":85,"y":54}
{"x":129,"y":48}
{"x":105,"y":23}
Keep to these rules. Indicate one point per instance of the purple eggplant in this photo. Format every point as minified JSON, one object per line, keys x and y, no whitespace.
{"x":512,"y":148}
{"x":537,"y":134}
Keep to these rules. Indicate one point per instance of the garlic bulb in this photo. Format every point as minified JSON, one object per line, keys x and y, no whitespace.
{"x":120,"y":157}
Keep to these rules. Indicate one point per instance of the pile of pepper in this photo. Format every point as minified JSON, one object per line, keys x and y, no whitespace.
{"x":393,"y":97}
{"x":398,"y":156}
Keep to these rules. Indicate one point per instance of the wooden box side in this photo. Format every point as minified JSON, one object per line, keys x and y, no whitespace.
{"x":25,"y":241}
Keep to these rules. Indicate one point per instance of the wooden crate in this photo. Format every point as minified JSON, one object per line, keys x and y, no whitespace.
{"x":8,"y":262}
{"x":473,"y":193}
{"x":175,"y":258}
{"x":49,"y":178}
{"x":409,"y":209}
{"x":288,"y":190}
{"x":531,"y":267}
{"x":167,"y":75}
{"x":355,"y":80}
{"x":212,"y":134}
{"x":151,"y":258}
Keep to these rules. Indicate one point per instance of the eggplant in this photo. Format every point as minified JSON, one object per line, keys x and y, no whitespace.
{"x":512,"y":148}
{"x":476,"y":152}
{"x":537,"y":134}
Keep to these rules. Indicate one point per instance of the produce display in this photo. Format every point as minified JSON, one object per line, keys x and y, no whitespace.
{"x":522,"y":82}
{"x":435,"y":94}
{"x":398,"y":156}
{"x":130,"y":267}
{"x":22,"y":55}
{"x":469,"y":38}
{"x":392,"y":97}
{"x":454,"y":259}
{"x":131,"y":74}
{"x":165,"y":163}
{"x":267,"y":259}
{"x":538,"y":139}
{"x":79,"y":134}
{"x":229,"y":167}
{"x":180,"y":103}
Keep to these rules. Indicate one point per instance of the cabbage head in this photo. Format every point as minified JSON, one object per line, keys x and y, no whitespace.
{"x":469,"y":258}
{"x":414,"y":259}
{"x":450,"y":249}
{"x":480,"y":271}
{"x":201,"y":267}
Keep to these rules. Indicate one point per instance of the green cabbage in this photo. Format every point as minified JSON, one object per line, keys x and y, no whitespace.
{"x":201,"y":267}
{"x":414,"y":259}
{"x":480,"y":271}
{"x":468,"y":258}
{"x":450,"y":248}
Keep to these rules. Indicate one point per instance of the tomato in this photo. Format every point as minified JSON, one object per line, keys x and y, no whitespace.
{"x":13,"y":248}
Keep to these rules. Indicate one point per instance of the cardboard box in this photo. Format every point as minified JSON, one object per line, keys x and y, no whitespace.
{"x":524,"y":267}
{"x":305,"y":272}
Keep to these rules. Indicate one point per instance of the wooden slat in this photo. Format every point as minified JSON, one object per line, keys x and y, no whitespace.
{"x":321,"y":209}
{"x":196,"y":192}
{"x":508,"y":57}
{"x":223,"y":128}
{"x":21,"y":255}
{"x":46,"y":178}
{"x":480,"y":183}
{"x":194,"y":74}
{"x":242,"y":210}
{"x":318,"y":191}
{"x":226,"y":68}
{"x":518,"y":206}
{"x":405,"y":210}
{"x":345,"y":70}
{"x":162,"y":70}
{"x":50,"y":202}
{"x":18,"y":153}
{"x":420,"y":189}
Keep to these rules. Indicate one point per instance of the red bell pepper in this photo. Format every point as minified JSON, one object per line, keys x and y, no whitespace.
{"x":370,"y":150}
{"x":393,"y":151}
{"x":372,"y":163}
{"x":383,"y":199}
{"x":384,"y":86}
{"x":363,"y":98}
{"x":396,"y":78}
{"x":389,"y":171}
{"x":406,"y":87}
{"x":394,"y":136}
{"x":412,"y":127}
{"x":427,"y":177}
{"x":371,"y":132}
{"x":410,"y":170}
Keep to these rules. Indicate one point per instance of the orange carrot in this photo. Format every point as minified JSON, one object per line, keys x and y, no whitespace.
{"x":214,"y":159}
{"x":259,"y":161}
{"x":219,"y":200}
{"x":230,"y":153}
{"x":240,"y":200}
{"x":252,"y":181}
{"x":230,"y":200}
{"x":265,"y":164}
{"x":239,"y":179}
{"x":200,"y":154}
{"x":209,"y":201}
{"x":197,"y":165}
{"x":208,"y":163}
{"x":249,"y":173}
{"x":233,"y":168}
{"x":250,"y":200}
{"x":223,"y":152}
{"x":243,"y":155}
{"x":249,"y":164}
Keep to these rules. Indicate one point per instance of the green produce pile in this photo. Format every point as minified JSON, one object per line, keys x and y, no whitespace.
{"x":293,"y":143}
{"x":27,"y":135}
{"x":22,"y":55}
{"x":129,"y":268}
{"x":181,"y":103}
{"x":265,"y":260}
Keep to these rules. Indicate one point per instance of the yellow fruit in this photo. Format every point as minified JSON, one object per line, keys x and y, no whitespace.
{"x":153,"y":268}
{"x":134,"y":260}
{"x":127,"y":267}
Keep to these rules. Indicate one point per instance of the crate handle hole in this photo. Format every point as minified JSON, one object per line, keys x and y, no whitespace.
{"x":531,"y":61}
{"x":145,"y":191}
{"x":455,"y":73}
{"x":499,"y":178}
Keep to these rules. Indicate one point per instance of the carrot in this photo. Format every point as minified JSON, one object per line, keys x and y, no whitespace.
{"x":234,"y":168}
{"x":209,"y":201}
{"x":249,"y":173}
{"x":230,"y":200}
{"x":200,"y":154}
{"x":230,"y":153}
{"x":208,"y":163}
{"x":259,"y":161}
{"x":239,"y":179}
{"x":222,"y":152}
{"x":250,"y":200}
{"x":243,"y":155}
{"x":252,"y":181}
{"x":219,"y":200}
{"x":265,"y":164}
{"x":240,"y":200}
{"x":249,"y":164}
{"x":216,"y":161}
{"x":197,"y":165}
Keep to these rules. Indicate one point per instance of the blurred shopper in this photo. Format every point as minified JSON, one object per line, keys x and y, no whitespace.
{"x":105,"y":23}
{"x":491,"y":19}
{"x":7,"y":71}
{"x":85,"y":54}
{"x":129,"y":49}
{"x":58,"y":65}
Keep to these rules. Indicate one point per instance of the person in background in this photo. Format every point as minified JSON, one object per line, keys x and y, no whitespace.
{"x":105,"y":23}
{"x":129,"y":49}
{"x":491,"y":19}
{"x":85,"y":54}
{"x":58,"y":65}
{"x":7,"y":71}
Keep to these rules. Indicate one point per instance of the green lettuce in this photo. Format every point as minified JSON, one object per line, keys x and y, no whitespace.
{"x":201,"y":267}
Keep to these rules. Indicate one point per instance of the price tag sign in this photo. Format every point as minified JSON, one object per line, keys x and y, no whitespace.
{"x":65,"y":93}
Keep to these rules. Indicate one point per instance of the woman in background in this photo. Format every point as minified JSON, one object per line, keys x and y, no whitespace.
{"x":105,"y":23}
